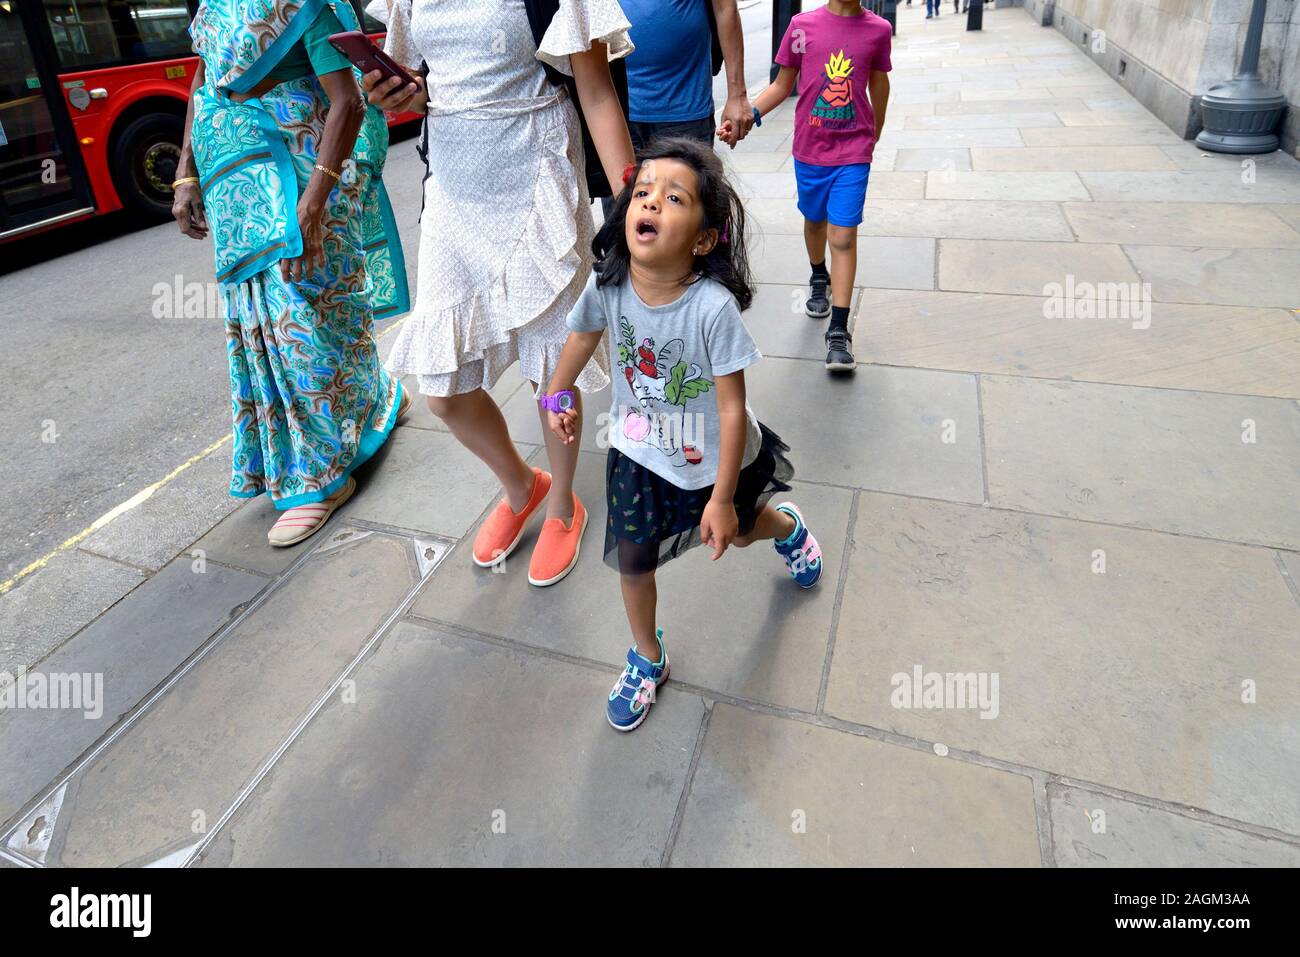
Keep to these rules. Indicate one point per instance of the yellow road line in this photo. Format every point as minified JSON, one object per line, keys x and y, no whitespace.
{"x":139,"y":497}
{"x":136,"y":499}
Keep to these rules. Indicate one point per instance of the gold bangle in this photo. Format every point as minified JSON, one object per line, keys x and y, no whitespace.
{"x":326,"y":169}
{"x":183,"y":180}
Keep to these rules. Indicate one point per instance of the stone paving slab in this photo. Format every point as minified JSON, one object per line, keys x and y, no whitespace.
{"x":1005,"y":91}
{"x":981,"y":121}
{"x":1215,"y":348}
{"x":155,"y":531}
{"x":882,"y":159}
{"x":890,"y":262}
{"x":1072,"y":158}
{"x":1193,"y":224}
{"x":950,"y":138}
{"x":882,"y":428}
{"x":759,"y":141}
{"x":987,"y":87}
{"x":1091,"y":117}
{"x":240,"y":540}
{"x":421,"y":768}
{"x":1288,"y":213}
{"x":859,"y":802}
{"x":203,"y":740}
{"x":1016,"y":187}
{"x":53,"y":603}
{"x":425,"y":481}
{"x":1243,"y":277}
{"x":770,"y":646}
{"x":1223,"y":186}
{"x":134,"y":646}
{"x":1135,"y":835}
{"x":899,"y":110}
{"x":1152,"y":458}
{"x":901,"y":93}
{"x":1188,"y":156}
{"x":963,"y":219}
{"x":1028,"y":269}
{"x":1099,"y":136}
{"x":1083,"y":86}
{"x":1008,"y":105}
{"x":739,"y":162}
{"x":949,"y":159}
{"x":780,"y":184}
{"x":1291,"y":562}
{"x":1115,"y":103}
{"x":905,"y":184}
{"x":1131,"y":678}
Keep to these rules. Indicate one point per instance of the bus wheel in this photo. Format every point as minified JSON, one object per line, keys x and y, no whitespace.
{"x":144,"y":164}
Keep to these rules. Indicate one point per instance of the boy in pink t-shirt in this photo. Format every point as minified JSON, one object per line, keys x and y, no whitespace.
{"x":840,"y":54}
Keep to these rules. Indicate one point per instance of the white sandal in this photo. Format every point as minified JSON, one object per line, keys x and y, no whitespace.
{"x":303,"y":521}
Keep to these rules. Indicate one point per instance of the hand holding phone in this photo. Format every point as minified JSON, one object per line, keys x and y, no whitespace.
{"x":367,"y":57}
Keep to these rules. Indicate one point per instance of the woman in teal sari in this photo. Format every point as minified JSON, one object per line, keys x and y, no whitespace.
{"x":281,"y":165}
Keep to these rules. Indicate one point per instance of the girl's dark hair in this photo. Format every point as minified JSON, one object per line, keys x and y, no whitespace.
{"x":727,"y":262}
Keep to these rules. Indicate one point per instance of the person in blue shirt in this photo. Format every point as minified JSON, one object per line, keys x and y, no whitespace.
{"x":670,"y":76}
{"x":670,"y":73}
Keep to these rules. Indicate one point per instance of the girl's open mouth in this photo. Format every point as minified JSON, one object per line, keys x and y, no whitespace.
{"x":645,"y":230}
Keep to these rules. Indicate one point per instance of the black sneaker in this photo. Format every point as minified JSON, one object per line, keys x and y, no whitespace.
{"x":839,"y":350}
{"x":818,"y":305}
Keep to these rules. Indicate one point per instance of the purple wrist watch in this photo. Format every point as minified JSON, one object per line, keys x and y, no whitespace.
{"x":562,"y":401}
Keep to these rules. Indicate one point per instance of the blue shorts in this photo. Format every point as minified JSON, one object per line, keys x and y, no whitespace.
{"x":834,"y":193}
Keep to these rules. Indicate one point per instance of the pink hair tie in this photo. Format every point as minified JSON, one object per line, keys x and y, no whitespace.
{"x":726,"y":232}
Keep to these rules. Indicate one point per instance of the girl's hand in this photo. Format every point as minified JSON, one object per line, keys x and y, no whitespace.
{"x":726,"y":132}
{"x":564,"y":424}
{"x":390,"y":95}
{"x":311,"y":225}
{"x":719,"y":526}
{"x":187,"y":209}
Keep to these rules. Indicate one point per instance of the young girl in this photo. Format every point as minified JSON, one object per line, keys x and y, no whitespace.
{"x":688,"y":462}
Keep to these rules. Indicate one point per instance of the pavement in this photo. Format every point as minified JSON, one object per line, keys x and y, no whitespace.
{"x":1060,"y":617}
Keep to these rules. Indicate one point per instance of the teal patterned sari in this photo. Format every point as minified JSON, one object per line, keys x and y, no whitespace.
{"x":310,"y":399}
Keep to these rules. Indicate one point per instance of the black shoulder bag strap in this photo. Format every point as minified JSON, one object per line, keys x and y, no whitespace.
{"x":540,"y":15}
{"x":422,"y":147}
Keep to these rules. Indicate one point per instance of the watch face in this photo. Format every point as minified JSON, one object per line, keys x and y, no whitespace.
{"x":564,"y":401}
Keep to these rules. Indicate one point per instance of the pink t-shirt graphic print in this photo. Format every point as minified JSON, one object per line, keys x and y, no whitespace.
{"x":835,"y":55}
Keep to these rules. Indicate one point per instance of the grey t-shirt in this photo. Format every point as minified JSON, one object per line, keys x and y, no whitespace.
{"x":664,"y":411}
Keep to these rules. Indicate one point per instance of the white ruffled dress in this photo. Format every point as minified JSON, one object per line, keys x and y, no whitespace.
{"x":505,"y":245}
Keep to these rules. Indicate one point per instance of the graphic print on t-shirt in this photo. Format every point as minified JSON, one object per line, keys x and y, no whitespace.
{"x":660,"y":375}
{"x":834,"y":107}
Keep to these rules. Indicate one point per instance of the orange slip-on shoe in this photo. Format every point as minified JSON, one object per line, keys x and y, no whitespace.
{"x":556,"y":551}
{"x":501,"y":532}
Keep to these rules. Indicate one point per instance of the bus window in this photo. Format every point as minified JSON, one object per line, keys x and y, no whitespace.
{"x":89,"y":33}
{"x":37,"y":181}
{"x":368,"y":23}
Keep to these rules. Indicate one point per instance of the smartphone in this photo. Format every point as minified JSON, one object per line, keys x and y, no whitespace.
{"x":358,"y":48}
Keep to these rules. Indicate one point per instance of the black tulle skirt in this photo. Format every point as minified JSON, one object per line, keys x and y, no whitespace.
{"x":652,"y":521}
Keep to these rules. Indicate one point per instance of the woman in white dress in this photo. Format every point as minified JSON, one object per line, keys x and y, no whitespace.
{"x":505,"y":244}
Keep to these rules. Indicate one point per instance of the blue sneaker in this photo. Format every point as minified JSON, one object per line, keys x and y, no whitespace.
{"x":802,"y":554}
{"x":634,"y":691}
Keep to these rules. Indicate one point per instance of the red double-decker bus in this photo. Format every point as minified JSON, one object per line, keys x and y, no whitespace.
{"x":92,"y":102}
